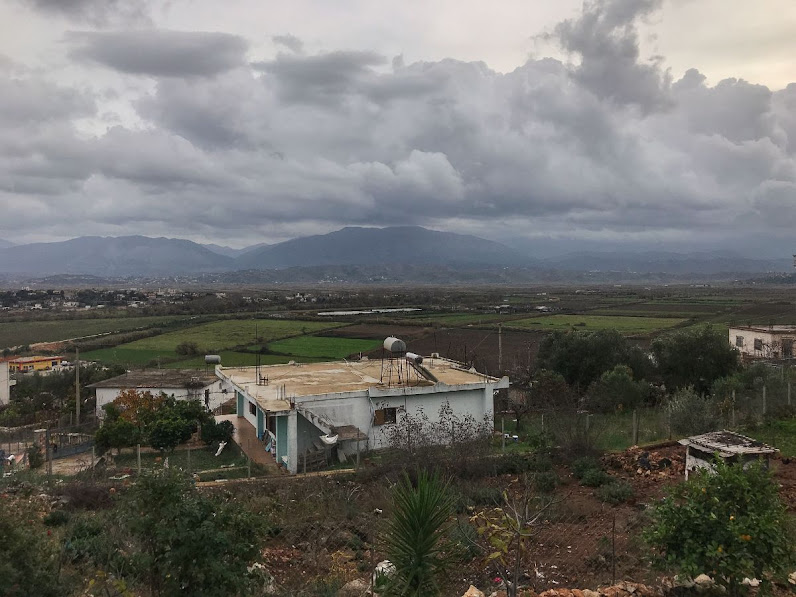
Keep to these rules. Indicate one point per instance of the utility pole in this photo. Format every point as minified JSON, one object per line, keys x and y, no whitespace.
{"x":77,"y":386}
{"x":500,"y":349}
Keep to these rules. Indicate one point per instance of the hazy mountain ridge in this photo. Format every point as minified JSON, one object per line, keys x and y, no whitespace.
{"x":5,"y":244}
{"x":398,"y":251}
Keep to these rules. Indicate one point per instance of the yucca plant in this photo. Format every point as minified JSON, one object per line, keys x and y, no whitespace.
{"x":415,"y":534}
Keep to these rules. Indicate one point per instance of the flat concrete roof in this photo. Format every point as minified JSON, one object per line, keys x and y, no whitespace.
{"x":765,"y":328}
{"x":158,"y":378}
{"x":312,"y":379}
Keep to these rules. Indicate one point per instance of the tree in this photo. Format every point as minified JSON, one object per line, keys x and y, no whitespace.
{"x":695,"y":358}
{"x":616,"y":390}
{"x":185,"y":543}
{"x":138,"y":407}
{"x":550,"y":392}
{"x":217,"y":432}
{"x":414,"y":536}
{"x":582,"y":357}
{"x":729,"y":525}
{"x":117,"y":434}
{"x":167,"y":433}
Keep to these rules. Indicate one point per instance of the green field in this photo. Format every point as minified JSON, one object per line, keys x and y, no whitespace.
{"x":19,"y":333}
{"x":231,"y":358}
{"x":211,"y":338}
{"x":593,"y":323}
{"x":322,"y":347}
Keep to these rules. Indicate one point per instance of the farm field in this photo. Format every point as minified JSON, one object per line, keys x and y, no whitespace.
{"x":593,"y":323}
{"x":322,"y":347}
{"x":18,"y":333}
{"x":231,"y":358}
{"x":214,"y":337}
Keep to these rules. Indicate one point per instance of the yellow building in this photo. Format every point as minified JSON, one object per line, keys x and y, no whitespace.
{"x":31,"y":364}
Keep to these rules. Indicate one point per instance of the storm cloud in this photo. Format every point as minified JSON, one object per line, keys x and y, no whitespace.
{"x":602,"y":143}
{"x":160,"y":53}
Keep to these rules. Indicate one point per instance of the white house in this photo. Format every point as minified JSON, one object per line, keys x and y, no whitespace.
{"x":5,"y":383}
{"x":764,"y":342}
{"x":359,"y":401}
{"x":182,"y":384}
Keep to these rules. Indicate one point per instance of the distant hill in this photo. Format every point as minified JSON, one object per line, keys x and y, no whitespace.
{"x":230,"y":252}
{"x":108,"y":256}
{"x":665,"y":263}
{"x":4,"y":244}
{"x":411,"y":245}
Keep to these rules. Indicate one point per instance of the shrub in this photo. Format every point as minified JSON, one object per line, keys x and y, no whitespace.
{"x":730,"y":524}
{"x":217,"y":432}
{"x":187,"y":348}
{"x":512,"y":464}
{"x":35,"y":456}
{"x":540,"y":463}
{"x":28,"y":562}
{"x":615,"y":492}
{"x":595,"y":478}
{"x":545,"y":482}
{"x":691,"y":414}
{"x":582,"y":465}
{"x":414,"y":536}
{"x":56,"y":518}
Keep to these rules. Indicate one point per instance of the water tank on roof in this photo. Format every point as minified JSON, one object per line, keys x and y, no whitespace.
{"x":393,"y":344}
{"x":415,"y":358}
{"x":212,"y":359}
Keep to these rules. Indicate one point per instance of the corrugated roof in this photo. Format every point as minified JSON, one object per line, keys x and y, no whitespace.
{"x":727,"y":443}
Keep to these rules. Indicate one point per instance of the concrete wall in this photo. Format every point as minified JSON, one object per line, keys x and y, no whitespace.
{"x":5,"y":384}
{"x":216,"y":396}
{"x":772,"y":344}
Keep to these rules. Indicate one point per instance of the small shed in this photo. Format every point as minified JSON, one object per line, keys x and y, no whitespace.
{"x":701,"y":450}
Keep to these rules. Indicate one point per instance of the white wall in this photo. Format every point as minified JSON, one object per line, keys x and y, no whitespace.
{"x":216,"y":398}
{"x":5,"y":383}
{"x":771,"y":342}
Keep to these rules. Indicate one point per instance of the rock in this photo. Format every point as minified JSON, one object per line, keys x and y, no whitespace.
{"x":385,"y":568}
{"x":703,"y":580}
{"x":590,"y":593}
{"x":473,"y":592}
{"x":354,"y":588}
{"x":750,"y":582}
{"x":792,"y":578}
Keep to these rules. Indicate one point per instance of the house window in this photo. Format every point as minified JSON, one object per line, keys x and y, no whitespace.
{"x":739,"y":341}
{"x":252,"y":408}
{"x":384,"y":416}
{"x":758,"y":344}
{"x":787,"y":349}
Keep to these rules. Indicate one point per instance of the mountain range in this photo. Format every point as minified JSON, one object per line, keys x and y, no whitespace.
{"x":396,"y":247}
{"x":4,"y":244}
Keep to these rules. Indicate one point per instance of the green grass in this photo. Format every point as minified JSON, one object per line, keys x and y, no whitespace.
{"x":30,"y":332}
{"x":216,"y":337}
{"x":201,"y":458}
{"x":780,"y":434}
{"x":230,"y":358}
{"x":322,"y":347}
{"x":592,"y":323}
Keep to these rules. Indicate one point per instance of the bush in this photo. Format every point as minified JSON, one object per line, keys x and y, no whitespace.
{"x":217,"y":432}
{"x":545,"y":482}
{"x":615,"y":492}
{"x":730,"y":524}
{"x":595,"y":478}
{"x":540,"y":463}
{"x":35,"y":456}
{"x":56,"y":518}
{"x":187,"y":348}
{"x":512,"y":464}
{"x":691,"y":414}
{"x":582,"y":465}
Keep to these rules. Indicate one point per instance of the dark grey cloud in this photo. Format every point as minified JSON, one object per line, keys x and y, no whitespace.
{"x":291,"y":42}
{"x":160,"y":53}
{"x":601,"y":146}
{"x":95,"y":12}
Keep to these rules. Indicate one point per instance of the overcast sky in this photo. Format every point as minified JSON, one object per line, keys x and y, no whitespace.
{"x":667,"y":124}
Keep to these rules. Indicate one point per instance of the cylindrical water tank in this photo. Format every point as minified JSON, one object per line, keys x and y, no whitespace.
{"x":415,"y":358}
{"x":393,"y":344}
{"x":212,"y":359}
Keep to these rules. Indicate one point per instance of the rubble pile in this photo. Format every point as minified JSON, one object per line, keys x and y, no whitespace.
{"x":623,"y":589}
{"x":663,"y":462}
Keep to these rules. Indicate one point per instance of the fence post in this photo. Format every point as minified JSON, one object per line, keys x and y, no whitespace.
{"x":543,"y":429}
{"x":357,"y":449}
{"x":732,"y":412}
{"x":788,"y":392}
{"x":764,"y":399}
{"x":189,"y":461}
{"x":93,"y":456}
{"x":635,"y":427}
{"x":138,"y":458}
{"x":502,"y":434}
{"x":48,"y":454}
{"x":588,"y":423}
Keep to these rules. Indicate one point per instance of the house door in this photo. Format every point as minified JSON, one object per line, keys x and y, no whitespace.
{"x":260,"y":423}
{"x":240,"y":404}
